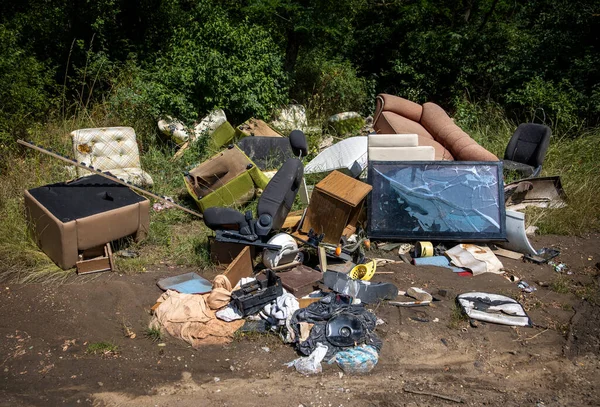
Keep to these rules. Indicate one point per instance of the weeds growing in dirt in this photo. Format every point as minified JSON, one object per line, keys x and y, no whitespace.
{"x":457,"y":317}
{"x":102,"y":348}
{"x":153,"y":334}
{"x":560,"y":285}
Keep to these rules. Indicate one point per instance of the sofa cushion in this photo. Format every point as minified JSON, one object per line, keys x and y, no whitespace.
{"x":461,"y":146}
{"x":400,"y":106}
{"x":475,"y":152}
{"x":434,"y":119}
{"x":390,"y":123}
{"x":441,"y":153}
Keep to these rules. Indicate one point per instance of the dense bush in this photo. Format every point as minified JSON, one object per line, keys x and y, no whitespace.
{"x":329,"y":86}
{"x":24,"y":87}
{"x":212,"y":62}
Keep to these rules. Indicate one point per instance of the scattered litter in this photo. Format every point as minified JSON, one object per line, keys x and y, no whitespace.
{"x":366,"y":291}
{"x":266,"y":349}
{"x":364,"y":271}
{"x":311,"y":364}
{"x":494,"y":308}
{"x":478,"y":259}
{"x":161,"y":206}
{"x":419,"y":294}
{"x":543,"y":255}
{"x":189,"y":283}
{"x":558,"y":267}
{"x":526,"y":288}
{"x":438,"y":261}
{"x":127,"y":254}
{"x":357,"y":360}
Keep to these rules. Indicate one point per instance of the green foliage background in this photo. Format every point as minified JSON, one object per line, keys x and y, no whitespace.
{"x":537,"y":60}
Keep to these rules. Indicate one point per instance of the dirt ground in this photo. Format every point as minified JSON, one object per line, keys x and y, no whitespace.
{"x":45,"y":332}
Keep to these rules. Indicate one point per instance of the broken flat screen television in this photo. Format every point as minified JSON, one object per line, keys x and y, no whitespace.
{"x":436,"y":200}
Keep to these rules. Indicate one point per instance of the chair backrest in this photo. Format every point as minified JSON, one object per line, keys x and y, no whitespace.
{"x":106,"y":148}
{"x":528,"y":145}
{"x":278,"y":197}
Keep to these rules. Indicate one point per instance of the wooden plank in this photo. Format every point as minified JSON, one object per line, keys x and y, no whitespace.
{"x":305,"y":302}
{"x":256,"y":127}
{"x":291,"y":222}
{"x":240,"y":267}
{"x":93,"y":265}
{"x":507,"y":253}
{"x":222,"y":253}
{"x":322,"y":259}
{"x":344,"y":188}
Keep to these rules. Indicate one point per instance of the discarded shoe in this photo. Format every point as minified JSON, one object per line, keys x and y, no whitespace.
{"x":365,"y":291}
{"x":419,"y":294}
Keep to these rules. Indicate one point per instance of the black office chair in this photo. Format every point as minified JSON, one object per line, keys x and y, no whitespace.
{"x":527,"y":149}
{"x":273,"y":205}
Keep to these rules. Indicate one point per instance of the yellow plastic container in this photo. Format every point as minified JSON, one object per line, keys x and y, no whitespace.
{"x":364,"y":271}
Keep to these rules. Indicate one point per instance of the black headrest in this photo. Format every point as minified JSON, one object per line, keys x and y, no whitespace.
{"x":217,"y":218}
{"x":298,"y":143}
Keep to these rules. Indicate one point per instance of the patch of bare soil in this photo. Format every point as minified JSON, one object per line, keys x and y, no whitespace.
{"x":46,"y":331}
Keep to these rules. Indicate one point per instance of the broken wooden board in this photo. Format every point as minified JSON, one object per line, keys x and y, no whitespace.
{"x":498,"y":251}
{"x":322,"y":259}
{"x":305,"y":302}
{"x":223,"y":253}
{"x":95,"y":260}
{"x":240,"y":267}
{"x":291,"y":222}
{"x":256,"y":127}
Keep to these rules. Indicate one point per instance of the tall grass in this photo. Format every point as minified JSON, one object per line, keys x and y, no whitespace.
{"x":175,"y":237}
{"x":571,"y":156}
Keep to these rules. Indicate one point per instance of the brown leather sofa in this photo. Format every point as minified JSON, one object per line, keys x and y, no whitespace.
{"x":395,"y":115}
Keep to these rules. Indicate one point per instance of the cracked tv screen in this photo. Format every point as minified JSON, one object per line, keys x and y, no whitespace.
{"x":440,"y":200}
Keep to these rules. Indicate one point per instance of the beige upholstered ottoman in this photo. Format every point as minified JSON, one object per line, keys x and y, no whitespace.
{"x":67,"y":218}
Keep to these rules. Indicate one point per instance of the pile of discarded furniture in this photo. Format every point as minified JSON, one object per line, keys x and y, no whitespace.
{"x":417,"y":184}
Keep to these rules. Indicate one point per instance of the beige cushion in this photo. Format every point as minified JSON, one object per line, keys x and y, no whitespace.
{"x":393,"y":140}
{"x":112,"y":149}
{"x":422,"y":153}
{"x":398,"y":147}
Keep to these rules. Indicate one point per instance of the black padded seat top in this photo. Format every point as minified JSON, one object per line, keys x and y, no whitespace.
{"x":529,"y":144}
{"x":278,"y":197}
{"x":84,"y":197}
